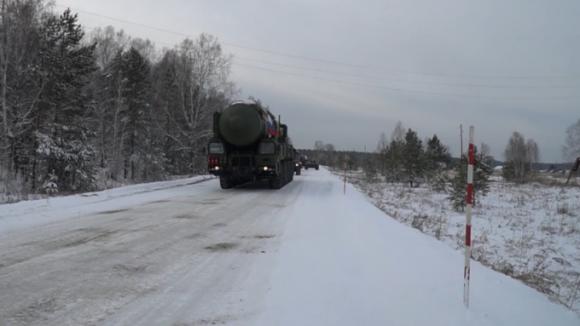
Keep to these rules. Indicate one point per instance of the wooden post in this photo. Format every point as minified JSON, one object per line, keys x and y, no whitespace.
{"x":344,"y":187}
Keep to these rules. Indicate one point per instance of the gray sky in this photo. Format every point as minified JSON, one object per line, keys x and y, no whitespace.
{"x":345,"y":71}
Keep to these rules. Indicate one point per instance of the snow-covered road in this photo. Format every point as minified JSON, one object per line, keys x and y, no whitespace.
{"x":193,"y":254}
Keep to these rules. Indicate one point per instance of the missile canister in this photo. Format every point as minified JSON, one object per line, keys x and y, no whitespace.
{"x":244,"y":124}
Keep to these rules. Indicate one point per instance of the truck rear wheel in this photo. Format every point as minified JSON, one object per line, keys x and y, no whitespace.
{"x":226,"y":182}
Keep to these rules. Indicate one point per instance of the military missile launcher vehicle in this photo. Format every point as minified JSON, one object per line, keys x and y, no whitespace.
{"x":250,"y":144}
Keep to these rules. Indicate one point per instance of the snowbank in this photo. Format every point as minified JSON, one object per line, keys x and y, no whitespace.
{"x":529,"y":232}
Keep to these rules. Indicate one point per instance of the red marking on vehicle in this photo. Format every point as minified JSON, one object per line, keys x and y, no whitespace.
{"x":212,"y":161}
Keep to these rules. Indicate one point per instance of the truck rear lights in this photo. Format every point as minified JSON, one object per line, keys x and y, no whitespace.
{"x":213,"y":161}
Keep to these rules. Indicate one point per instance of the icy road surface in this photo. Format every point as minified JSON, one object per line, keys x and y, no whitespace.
{"x":192,"y":254}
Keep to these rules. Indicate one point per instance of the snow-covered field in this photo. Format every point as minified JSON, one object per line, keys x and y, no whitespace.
{"x":193,"y":254}
{"x":530,"y":232}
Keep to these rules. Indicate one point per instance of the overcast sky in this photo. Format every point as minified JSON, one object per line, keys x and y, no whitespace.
{"x":345,"y":71}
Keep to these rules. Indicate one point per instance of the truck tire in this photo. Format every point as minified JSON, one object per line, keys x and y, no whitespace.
{"x":283,"y":175}
{"x":226,"y":182}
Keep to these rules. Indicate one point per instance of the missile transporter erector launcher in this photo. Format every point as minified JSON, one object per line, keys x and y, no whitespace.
{"x":248,"y":145}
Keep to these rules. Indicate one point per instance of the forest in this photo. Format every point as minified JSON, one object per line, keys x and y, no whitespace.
{"x":84,"y":110}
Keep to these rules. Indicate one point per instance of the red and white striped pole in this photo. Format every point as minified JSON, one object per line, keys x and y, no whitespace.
{"x":469,"y":204}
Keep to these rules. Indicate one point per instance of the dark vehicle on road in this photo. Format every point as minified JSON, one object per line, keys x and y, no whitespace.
{"x":311,"y":164}
{"x":248,"y":145}
{"x":297,"y":163}
{"x":298,"y":167}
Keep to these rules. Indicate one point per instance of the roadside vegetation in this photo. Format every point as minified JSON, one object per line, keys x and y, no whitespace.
{"x":86,"y":109}
{"x":526,"y":219}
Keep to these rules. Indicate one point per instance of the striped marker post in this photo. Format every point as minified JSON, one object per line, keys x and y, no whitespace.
{"x":468,"y":210}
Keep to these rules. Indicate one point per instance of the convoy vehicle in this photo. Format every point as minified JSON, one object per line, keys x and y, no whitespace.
{"x":249,"y":144}
{"x":311,"y":164}
{"x":298,"y":167}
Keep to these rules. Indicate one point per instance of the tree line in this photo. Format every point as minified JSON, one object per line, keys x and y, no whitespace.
{"x":81,"y":109}
{"x":405,"y":158}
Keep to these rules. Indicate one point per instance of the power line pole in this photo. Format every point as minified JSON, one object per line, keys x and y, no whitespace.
{"x":461,"y":140}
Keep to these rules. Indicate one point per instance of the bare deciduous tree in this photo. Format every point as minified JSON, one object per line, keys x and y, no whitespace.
{"x":485,"y":150}
{"x":109,"y":43}
{"x":382,"y":146}
{"x":199,"y":71}
{"x":398,"y":133}
{"x":4,"y":160}
{"x":383,"y":143}
{"x":572,"y":148}
{"x":533,"y":153}
{"x":520,"y":155}
{"x":21,"y":80}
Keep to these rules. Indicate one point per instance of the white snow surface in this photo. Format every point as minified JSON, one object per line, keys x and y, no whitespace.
{"x":529,"y":232}
{"x":41,"y":211}
{"x":193,"y":254}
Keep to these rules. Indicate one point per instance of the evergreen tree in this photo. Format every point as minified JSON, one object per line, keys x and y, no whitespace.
{"x":436,"y":155}
{"x":62,"y":136}
{"x":459,"y":185}
{"x":437,"y":159}
{"x":370,"y":168}
{"x":413,"y":157}
{"x":393,"y":154}
{"x":136,"y":125}
{"x":481,"y":174}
